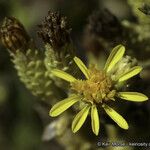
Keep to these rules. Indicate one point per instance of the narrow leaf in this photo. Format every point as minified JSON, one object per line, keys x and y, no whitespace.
{"x":82,"y":66}
{"x":132,"y":72}
{"x":133,"y":96}
{"x":114,"y":57}
{"x":116,"y":117}
{"x":80,"y":119}
{"x":63,"y":75}
{"x":63,"y":105}
{"x":95,"y":120}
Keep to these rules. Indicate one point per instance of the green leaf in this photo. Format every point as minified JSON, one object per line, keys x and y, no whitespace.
{"x":133,"y":96}
{"x":63,"y":105}
{"x":116,"y":54}
{"x":132,"y":72}
{"x":95,"y":120}
{"x":116,"y":117}
{"x":80,"y":119}
{"x":82,"y":66}
{"x":63,"y":75}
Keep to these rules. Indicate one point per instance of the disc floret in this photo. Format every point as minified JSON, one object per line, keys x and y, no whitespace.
{"x":97,"y":88}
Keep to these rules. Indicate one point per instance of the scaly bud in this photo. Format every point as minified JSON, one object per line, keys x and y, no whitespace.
{"x":13,"y":35}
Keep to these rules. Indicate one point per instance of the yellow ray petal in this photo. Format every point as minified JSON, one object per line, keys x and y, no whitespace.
{"x":82,"y":66}
{"x":132,"y":72}
{"x":133,"y":96}
{"x":116,"y":117}
{"x":80,"y":119}
{"x":95,"y":120}
{"x":63,"y":75}
{"x":114,"y":57}
{"x":63,"y":105}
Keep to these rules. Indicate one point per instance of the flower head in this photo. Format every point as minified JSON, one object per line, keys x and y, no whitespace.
{"x":96,"y":90}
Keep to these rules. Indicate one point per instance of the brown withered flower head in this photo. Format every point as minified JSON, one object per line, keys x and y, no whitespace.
{"x":104,"y":24}
{"x":55,"y":30}
{"x":13,"y":34}
{"x":103,"y":29}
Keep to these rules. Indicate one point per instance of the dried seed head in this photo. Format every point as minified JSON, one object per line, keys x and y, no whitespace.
{"x":13,"y":35}
{"x":55,"y":30}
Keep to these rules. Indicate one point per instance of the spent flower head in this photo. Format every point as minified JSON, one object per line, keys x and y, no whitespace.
{"x":104,"y":24}
{"x":96,"y":90}
{"x":55,"y":30}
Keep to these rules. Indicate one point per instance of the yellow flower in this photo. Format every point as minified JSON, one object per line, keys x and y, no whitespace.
{"x":96,"y":90}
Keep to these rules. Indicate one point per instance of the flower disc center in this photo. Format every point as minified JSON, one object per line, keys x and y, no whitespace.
{"x":95,"y":89}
